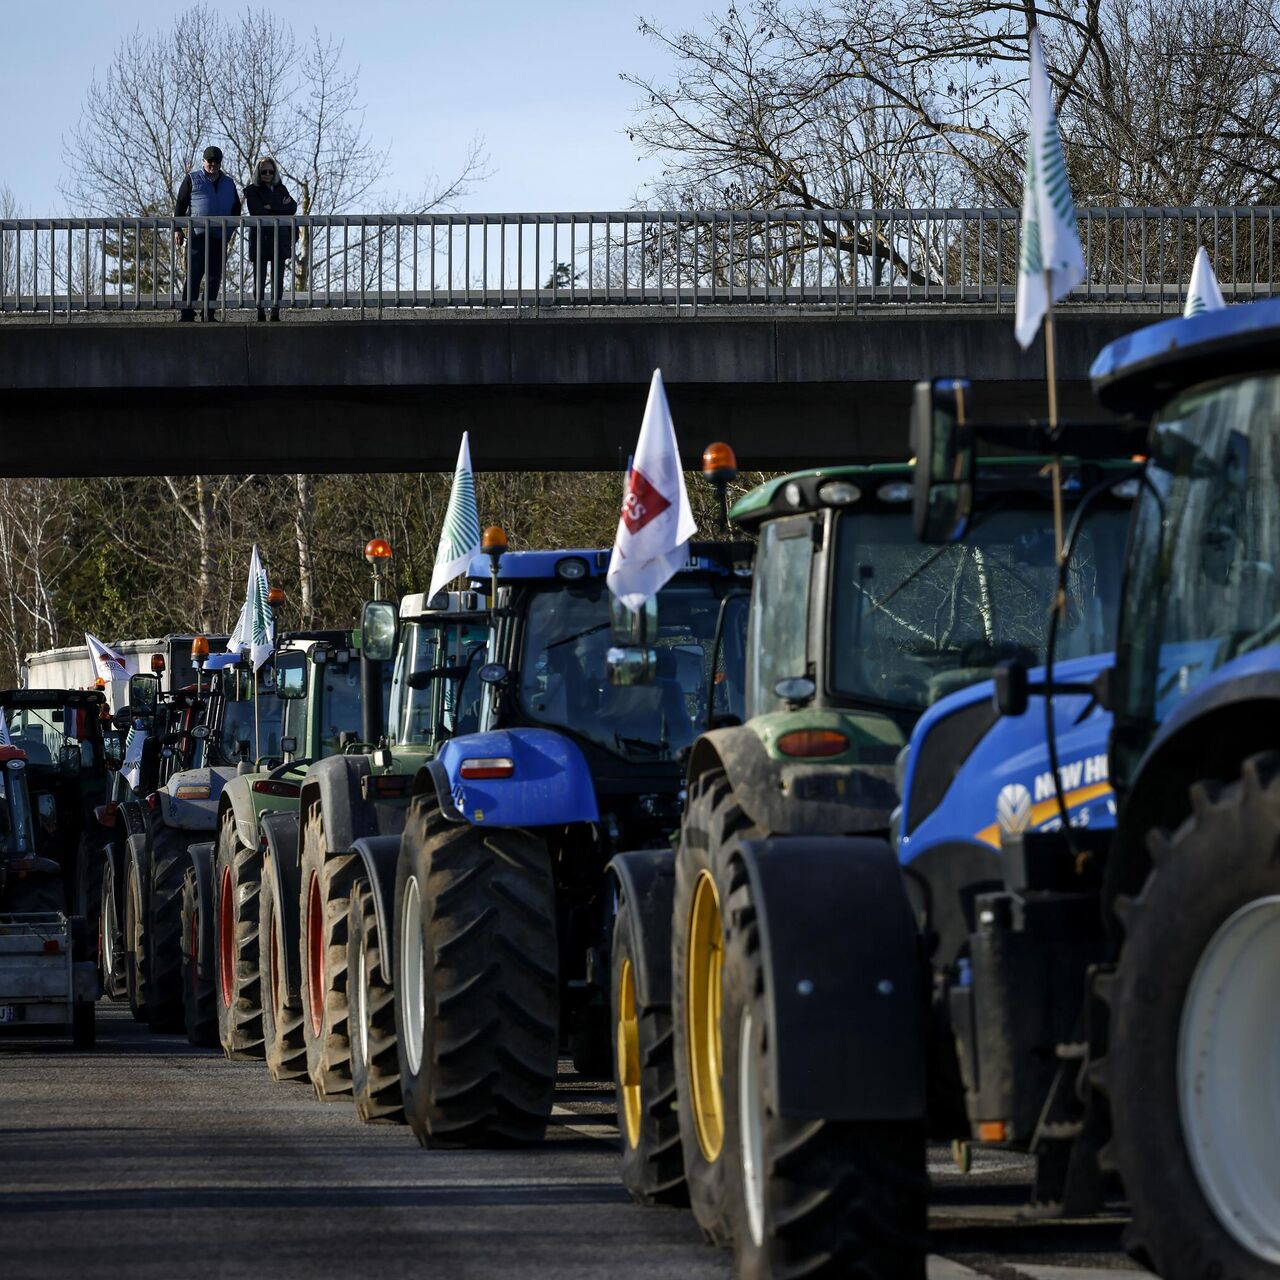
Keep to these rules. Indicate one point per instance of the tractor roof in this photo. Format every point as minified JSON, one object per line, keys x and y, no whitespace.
{"x":574,"y":564}
{"x":1144,"y":369}
{"x":879,"y":487}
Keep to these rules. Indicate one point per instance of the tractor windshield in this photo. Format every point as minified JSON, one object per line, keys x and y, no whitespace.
{"x":1205,"y":557}
{"x":563,"y":678}
{"x":912,"y":623}
{"x":246,"y":733}
{"x":435,"y":690}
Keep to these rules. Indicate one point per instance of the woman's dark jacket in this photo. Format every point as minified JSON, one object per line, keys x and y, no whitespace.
{"x":261,"y":200}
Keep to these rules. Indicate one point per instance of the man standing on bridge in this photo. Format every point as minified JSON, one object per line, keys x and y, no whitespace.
{"x":205,"y":193}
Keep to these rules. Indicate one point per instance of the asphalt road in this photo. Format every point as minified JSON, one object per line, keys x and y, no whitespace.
{"x":145,"y":1158}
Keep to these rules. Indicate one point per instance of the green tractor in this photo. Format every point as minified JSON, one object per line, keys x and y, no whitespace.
{"x":318,"y":691}
{"x":278,"y":952}
{"x":855,"y":630}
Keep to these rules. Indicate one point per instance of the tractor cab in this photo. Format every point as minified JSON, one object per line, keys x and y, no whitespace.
{"x":17,"y":828}
{"x":631,"y":693}
{"x":57,"y":747}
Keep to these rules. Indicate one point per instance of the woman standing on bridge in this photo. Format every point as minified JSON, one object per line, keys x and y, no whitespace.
{"x":267,"y":197}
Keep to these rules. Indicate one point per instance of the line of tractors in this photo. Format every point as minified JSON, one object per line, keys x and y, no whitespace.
{"x":943,"y":805}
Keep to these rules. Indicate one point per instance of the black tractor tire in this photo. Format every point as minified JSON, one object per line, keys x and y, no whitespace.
{"x":375,"y":1068}
{"x":200,"y":1014}
{"x":28,"y":894}
{"x":135,"y":944}
{"x":283,"y":1043}
{"x":90,"y":863}
{"x":84,"y":1027}
{"x":237,"y":874}
{"x":162,"y":941}
{"x":644,"y":1064}
{"x":112,"y":960}
{"x":834,"y":1198}
{"x":713,"y":828}
{"x":480,"y":950}
{"x":326,"y":901}
{"x":1225,"y":856}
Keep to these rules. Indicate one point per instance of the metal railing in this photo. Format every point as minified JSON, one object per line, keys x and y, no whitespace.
{"x":846,"y":259}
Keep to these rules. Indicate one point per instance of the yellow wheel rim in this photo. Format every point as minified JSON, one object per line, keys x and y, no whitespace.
{"x":702,"y":1015}
{"x":629,"y":1054}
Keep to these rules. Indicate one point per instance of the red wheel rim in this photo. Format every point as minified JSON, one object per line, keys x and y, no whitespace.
{"x":315,"y":955}
{"x":275,"y":966}
{"x":226,"y":939}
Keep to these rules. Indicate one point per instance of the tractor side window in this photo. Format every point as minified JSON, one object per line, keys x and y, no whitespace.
{"x":340,"y":704}
{"x":411,"y":719}
{"x":779,"y":626}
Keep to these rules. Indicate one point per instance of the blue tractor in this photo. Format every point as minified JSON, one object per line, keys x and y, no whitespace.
{"x":1099,"y":992}
{"x":502,"y":911}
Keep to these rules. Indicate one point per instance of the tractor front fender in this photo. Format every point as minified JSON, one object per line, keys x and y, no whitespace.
{"x":201,"y":856}
{"x":844,"y":978}
{"x":646,"y":882}
{"x":333,"y":786}
{"x":550,"y":783}
{"x":796,"y":798}
{"x":378,"y":854}
{"x":280,"y":850}
{"x":237,"y":797}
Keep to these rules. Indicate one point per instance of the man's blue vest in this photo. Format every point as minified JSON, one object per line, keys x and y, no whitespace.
{"x":210,"y":199}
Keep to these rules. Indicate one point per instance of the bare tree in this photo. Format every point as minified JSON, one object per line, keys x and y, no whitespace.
{"x":884,"y":103}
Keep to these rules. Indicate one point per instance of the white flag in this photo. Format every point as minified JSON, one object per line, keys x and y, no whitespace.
{"x":657,"y":521}
{"x":5,"y":740}
{"x":460,"y":534}
{"x":107,"y":663}
{"x":1203,"y":293}
{"x":255,"y":631}
{"x":1050,"y":241}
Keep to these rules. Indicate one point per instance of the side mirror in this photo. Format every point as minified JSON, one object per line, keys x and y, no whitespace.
{"x":291,"y":674}
{"x":631,"y":627}
{"x":631,"y":665}
{"x":122,"y":719}
{"x":943,"y":445}
{"x":1010,"y":695}
{"x":69,"y":759}
{"x":144,"y":693}
{"x":288,"y":745}
{"x":378,"y":625}
{"x":493,"y":673}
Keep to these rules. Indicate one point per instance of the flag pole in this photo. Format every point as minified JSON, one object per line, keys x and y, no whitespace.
{"x":1051,"y":378}
{"x":257,"y":735}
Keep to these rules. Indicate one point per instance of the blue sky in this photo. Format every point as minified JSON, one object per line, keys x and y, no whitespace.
{"x":539,"y":81}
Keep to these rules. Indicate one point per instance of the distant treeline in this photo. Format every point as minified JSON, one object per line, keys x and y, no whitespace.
{"x":143,"y":556}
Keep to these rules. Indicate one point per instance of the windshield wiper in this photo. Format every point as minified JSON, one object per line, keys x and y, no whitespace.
{"x":589,"y":631}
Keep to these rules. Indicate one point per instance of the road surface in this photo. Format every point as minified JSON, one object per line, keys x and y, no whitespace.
{"x":148,"y":1159}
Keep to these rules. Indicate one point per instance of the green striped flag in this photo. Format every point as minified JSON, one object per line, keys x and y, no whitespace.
{"x":1051,"y":262}
{"x":255,"y":628}
{"x":1203,"y":293}
{"x":460,"y":535}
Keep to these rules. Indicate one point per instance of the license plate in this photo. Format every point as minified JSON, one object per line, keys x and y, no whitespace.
{"x":8,"y":1013}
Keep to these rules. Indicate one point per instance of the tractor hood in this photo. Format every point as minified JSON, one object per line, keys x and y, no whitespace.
{"x":189,"y":800}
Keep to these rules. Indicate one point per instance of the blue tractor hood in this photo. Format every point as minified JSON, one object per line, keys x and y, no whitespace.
{"x":549,"y":785}
{"x":972,"y":774}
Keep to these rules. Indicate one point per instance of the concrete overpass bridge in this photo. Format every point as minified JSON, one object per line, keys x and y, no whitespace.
{"x":796,"y":336}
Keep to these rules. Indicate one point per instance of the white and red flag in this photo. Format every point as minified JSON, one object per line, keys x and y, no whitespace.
{"x":107,"y":663}
{"x":657,"y":521}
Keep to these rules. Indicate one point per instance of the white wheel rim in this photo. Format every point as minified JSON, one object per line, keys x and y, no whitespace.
{"x":1229,"y":1076}
{"x":751,"y":1126}
{"x":415,"y":1013}
{"x":108,"y":925}
{"x":362,"y":1004}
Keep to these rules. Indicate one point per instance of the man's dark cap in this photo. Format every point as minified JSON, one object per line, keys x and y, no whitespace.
{"x":213,"y":153}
